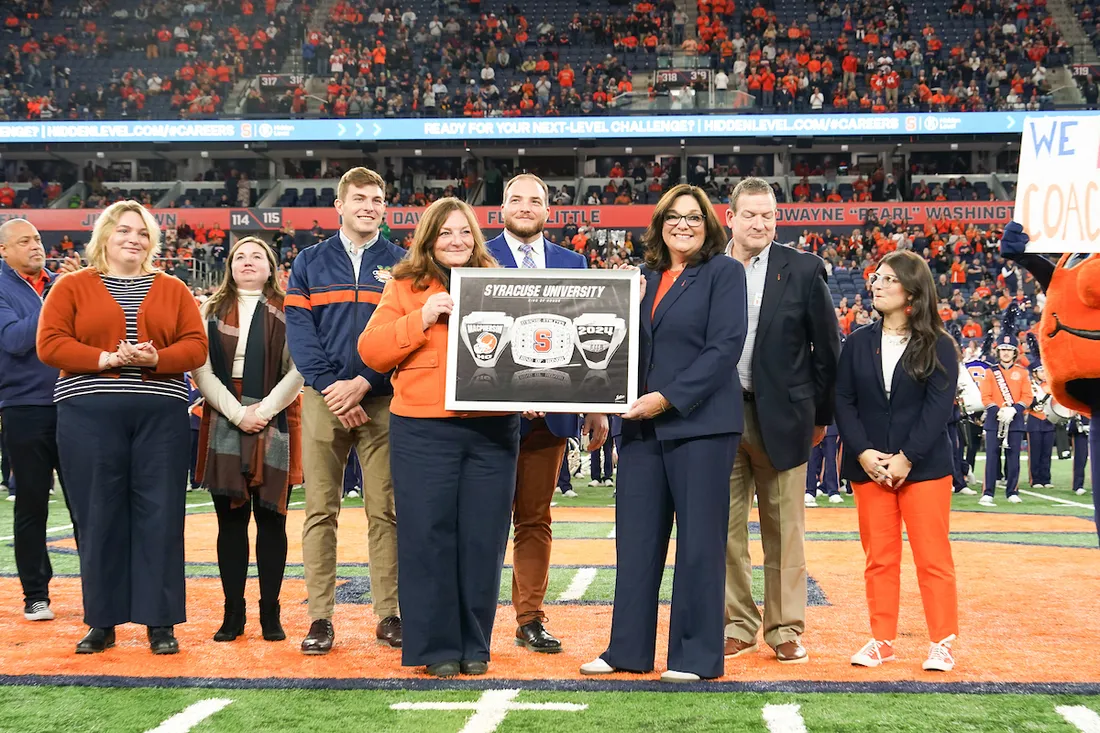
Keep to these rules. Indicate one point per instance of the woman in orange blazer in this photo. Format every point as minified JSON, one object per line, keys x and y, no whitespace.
{"x":454,"y":474}
{"x":123,"y":334}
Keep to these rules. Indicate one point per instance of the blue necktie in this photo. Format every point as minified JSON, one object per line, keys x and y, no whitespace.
{"x":528,"y":260}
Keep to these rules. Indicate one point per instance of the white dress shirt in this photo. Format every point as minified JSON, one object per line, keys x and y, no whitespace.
{"x":893,"y":347}
{"x":538,"y":250}
{"x":756,"y":275}
{"x":356,"y":253}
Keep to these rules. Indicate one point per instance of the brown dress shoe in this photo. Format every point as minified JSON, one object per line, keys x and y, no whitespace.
{"x":737,"y":648}
{"x":389,"y":632}
{"x":792,"y":652}
{"x":319,"y":639}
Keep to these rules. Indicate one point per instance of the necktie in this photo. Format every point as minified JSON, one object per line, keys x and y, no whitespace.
{"x":528,"y":260}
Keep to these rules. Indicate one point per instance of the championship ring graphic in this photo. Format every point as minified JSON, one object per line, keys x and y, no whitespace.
{"x":542,"y":340}
{"x":598,"y":336}
{"x":485,"y":334}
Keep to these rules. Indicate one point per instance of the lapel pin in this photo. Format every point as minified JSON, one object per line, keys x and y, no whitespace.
{"x":778,"y":277}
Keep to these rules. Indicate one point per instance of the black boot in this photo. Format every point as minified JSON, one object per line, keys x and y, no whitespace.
{"x":232,"y":622}
{"x":269,"y":621}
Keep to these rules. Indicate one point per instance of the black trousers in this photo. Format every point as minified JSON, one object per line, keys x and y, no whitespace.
{"x":30,"y":434}
{"x":658,"y":479}
{"x":126,"y":458}
{"x":233,"y":548}
{"x":453,"y":484}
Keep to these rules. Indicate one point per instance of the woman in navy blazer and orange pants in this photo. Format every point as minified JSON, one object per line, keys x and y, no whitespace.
{"x":679,"y":441}
{"x":895,"y":392}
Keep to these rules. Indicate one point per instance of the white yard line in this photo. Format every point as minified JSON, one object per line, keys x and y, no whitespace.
{"x":579,"y":585}
{"x":1066,"y":502}
{"x":784,"y":718}
{"x":51,"y":530}
{"x":191,"y":716}
{"x":611,"y":534}
{"x":490,"y":709}
{"x":1080,"y":717}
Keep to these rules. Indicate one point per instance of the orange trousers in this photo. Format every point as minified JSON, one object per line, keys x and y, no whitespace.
{"x":925,"y":508}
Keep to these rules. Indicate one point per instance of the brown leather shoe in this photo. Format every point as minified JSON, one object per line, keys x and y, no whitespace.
{"x":319,"y":639}
{"x":389,"y":632}
{"x":792,"y":652}
{"x":736,"y":648}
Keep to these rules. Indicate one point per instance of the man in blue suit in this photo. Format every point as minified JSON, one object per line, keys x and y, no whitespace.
{"x":542,"y":437}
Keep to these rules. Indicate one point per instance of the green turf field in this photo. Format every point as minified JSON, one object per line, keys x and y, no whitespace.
{"x":30,"y":710}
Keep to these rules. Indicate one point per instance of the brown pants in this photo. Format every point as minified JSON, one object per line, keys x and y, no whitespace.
{"x":782,"y":508}
{"x":540,"y":456}
{"x":325,"y":447}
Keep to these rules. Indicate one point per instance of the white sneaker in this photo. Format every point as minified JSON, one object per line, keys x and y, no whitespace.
{"x":597,"y":666}
{"x":353,"y":494}
{"x":609,"y":482}
{"x":570,"y":494}
{"x":967,"y":491}
{"x":680,"y":677}
{"x":53,"y":491}
{"x":594,"y":482}
{"x":1001,"y":484}
{"x":986,"y":500}
{"x":38,"y":611}
{"x":820,"y":492}
{"x":939,"y":656}
{"x":1015,"y":499}
{"x":836,"y":499}
{"x":11,"y":497}
{"x":970,"y":478}
{"x":811,"y":500}
{"x":874,"y":653}
{"x":1080,"y":492}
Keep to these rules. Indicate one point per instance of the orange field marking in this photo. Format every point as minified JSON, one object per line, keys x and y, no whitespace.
{"x":1017,"y":605}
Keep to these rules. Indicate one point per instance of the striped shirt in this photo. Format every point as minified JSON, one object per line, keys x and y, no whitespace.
{"x":756,"y":274}
{"x":129,"y":293}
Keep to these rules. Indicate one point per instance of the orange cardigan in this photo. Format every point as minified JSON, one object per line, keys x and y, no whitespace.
{"x":80,"y":320}
{"x":395,"y":339}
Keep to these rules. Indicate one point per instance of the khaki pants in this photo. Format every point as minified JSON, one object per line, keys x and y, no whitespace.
{"x":325,"y":447}
{"x":782,"y":528}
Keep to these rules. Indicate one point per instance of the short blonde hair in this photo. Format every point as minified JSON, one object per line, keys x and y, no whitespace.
{"x":96,"y":250}
{"x":528,"y":177}
{"x":359,"y":177}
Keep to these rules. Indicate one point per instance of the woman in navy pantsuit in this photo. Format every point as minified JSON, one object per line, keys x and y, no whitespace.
{"x":679,"y":441}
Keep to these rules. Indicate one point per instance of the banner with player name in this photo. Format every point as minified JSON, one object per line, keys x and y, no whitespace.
{"x":543,"y":340}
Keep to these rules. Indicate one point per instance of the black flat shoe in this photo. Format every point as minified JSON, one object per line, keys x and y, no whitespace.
{"x":536,"y":638}
{"x":443,"y":669}
{"x":162,"y":640}
{"x":96,"y":640}
{"x":474,"y":667}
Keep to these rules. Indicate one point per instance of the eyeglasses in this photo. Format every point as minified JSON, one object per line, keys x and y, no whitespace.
{"x":887,"y":280}
{"x":673,"y":219}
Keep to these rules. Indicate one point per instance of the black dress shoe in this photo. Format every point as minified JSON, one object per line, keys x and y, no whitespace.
{"x":536,"y":638}
{"x":96,"y":640}
{"x":443,"y":669}
{"x":389,"y":632}
{"x":162,"y":640}
{"x":319,"y":639}
{"x":474,"y":666}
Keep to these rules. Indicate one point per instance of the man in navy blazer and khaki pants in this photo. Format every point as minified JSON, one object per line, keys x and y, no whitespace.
{"x":788,"y":374}
{"x":542,"y":437}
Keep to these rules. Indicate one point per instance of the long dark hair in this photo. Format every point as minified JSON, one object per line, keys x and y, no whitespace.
{"x":656,"y":251}
{"x":925,"y":325}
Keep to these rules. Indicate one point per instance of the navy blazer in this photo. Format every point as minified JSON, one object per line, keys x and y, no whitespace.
{"x":561,"y":425}
{"x":688,"y":350}
{"x":914,"y":419}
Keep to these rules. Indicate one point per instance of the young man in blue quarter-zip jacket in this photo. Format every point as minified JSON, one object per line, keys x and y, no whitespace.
{"x":27,"y":407}
{"x":335,"y":285}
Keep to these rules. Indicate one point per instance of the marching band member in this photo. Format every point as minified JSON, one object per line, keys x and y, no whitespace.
{"x":976,"y":366}
{"x":968,"y":400}
{"x":1079,"y":427}
{"x":1006,"y":392}
{"x":1040,"y":431}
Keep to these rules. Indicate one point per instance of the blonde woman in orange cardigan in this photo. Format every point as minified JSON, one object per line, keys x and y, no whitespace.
{"x":454,"y":475}
{"x":122,"y":334}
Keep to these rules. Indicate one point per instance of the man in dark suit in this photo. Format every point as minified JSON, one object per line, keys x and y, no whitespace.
{"x":788,"y":372}
{"x":542,"y":437}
